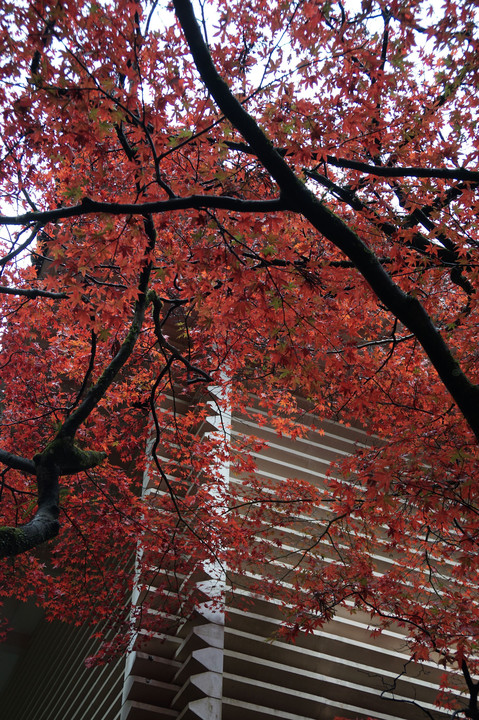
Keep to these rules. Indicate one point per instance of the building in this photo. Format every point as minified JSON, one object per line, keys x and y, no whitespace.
{"x":224,"y":665}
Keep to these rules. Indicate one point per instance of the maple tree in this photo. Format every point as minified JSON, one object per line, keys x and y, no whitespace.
{"x":275,"y":200}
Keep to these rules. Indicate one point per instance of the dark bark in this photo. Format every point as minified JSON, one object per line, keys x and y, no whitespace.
{"x":44,"y":525}
{"x":17,"y":463}
{"x":388,"y":171}
{"x":415,"y":172}
{"x":60,"y":457}
{"x":89,"y":207}
{"x":472,"y":710}
{"x":32,"y":293}
{"x":300,"y":199}
{"x":109,"y":374}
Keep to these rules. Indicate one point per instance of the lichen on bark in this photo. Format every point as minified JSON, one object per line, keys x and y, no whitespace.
{"x":68,"y":457}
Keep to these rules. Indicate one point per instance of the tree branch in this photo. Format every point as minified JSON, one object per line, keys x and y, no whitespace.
{"x":98,"y":390}
{"x":447,"y":253}
{"x":163,"y":342}
{"x":417,"y":172}
{"x":23,"y":246}
{"x":17,"y":463}
{"x":379,"y":170}
{"x":60,"y":457}
{"x":44,"y":525}
{"x":88,"y":373}
{"x":32,"y":293}
{"x":300,"y":199}
{"x":472,"y":710}
{"x":198,"y":202}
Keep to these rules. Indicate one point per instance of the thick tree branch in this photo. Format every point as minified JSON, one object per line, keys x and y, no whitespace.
{"x":472,"y":711}
{"x":447,"y":254}
{"x":17,"y":463}
{"x":60,"y":457}
{"x":71,"y":461}
{"x":417,"y":172}
{"x":44,"y":525}
{"x":387,"y":171}
{"x":98,"y":390}
{"x":198,"y":202}
{"x":32,"y":293}
{"x":300,"y":199}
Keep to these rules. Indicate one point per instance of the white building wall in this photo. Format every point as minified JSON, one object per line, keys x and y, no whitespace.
{"x":239,"y":670}
{"x":231,"y":665}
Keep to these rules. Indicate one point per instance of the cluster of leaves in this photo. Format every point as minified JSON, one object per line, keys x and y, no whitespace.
{"x":307,"y":229}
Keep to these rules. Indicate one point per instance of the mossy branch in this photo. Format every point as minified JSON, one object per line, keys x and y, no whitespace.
{"x":68,"y":457}
{"x":60,"y":457}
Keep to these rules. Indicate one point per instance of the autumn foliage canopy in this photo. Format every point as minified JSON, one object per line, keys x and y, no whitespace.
{"x":204,"y":205}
